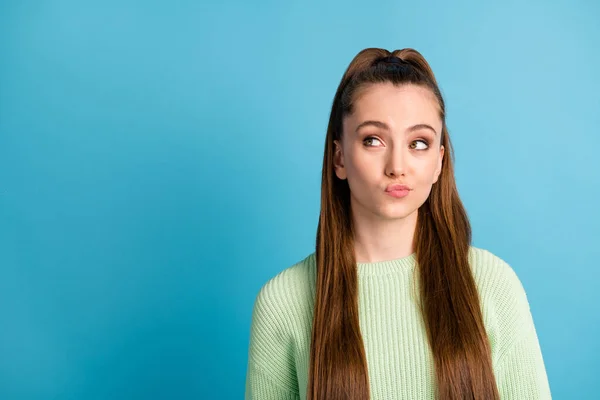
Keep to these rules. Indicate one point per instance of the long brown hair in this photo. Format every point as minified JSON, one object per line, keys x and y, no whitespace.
{"x":449,"y":299}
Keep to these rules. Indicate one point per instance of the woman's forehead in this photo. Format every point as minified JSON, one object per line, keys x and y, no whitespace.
{"x":396,"y":106}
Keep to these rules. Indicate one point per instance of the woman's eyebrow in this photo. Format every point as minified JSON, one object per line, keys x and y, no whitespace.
{"x":383,"y":125}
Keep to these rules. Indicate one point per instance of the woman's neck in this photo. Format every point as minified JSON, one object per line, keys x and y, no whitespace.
{"x":382,"y":240}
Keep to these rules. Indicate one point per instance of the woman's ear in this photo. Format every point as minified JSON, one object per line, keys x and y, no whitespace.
{"x":338,"y":162}
{"x":438,"y":170}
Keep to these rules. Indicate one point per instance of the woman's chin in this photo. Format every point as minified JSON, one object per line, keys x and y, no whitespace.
{"x":396,"y":212}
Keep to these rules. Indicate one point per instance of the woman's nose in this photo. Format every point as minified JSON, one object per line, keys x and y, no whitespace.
{"x":395,"y":162}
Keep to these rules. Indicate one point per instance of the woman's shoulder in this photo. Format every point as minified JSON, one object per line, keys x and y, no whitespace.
{"x":504,"y":301}
{"x":280,"y":327}
{"x":502,"y":294}
{"x":288,"y":292}
{"x":291,"y":278}
{"x":492,"y":273}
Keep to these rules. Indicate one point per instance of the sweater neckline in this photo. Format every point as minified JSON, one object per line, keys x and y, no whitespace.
{"x":385,"y":267}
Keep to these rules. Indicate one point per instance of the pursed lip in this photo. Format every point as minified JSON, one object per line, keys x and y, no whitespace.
{"x":395,"y":187}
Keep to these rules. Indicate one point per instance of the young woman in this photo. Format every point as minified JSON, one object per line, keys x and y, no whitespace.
{"x":395,"y":302}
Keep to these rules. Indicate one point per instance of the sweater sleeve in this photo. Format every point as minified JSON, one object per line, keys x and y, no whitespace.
{"x":271,"y":372}
{"x":520,"y":370}
{"x":521,"y":373}
{"x":262,"y":386}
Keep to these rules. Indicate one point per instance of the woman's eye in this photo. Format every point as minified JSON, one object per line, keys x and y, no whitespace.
{"x":369,"y":143}
{"x":366,"y":141}
{"x":422,"y":141}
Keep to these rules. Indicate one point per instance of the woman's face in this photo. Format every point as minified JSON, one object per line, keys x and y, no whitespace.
{"x":392,"y":137}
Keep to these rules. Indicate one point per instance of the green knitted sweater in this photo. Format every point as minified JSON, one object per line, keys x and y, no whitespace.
{"x":399,"y":360}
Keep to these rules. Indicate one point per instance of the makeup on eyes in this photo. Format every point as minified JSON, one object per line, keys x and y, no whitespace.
{"x":424,"y":140}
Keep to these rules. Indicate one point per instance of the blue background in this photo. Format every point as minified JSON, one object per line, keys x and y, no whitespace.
{"x":160,"y":161}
